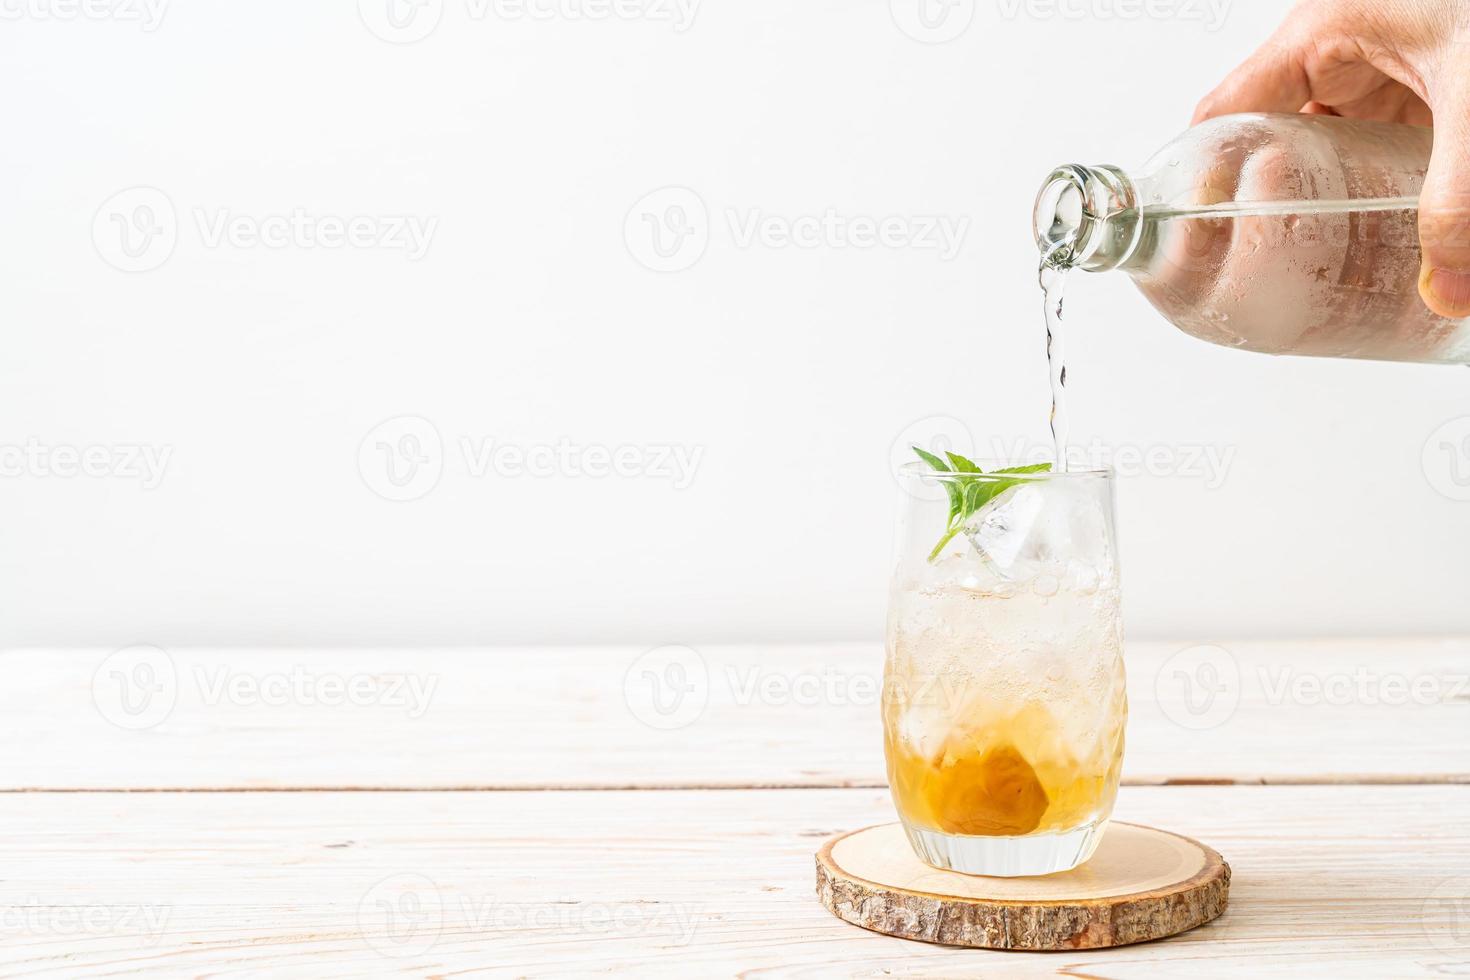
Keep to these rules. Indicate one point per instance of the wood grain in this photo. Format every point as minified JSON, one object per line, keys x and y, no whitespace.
{"x":1336,"y":882}
{"x":1142,"y":884}
{"x":1278,"y":712}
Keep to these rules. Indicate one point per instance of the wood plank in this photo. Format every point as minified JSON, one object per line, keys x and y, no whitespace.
{"x":1328,"y":881}
{"x":1282,"y":712}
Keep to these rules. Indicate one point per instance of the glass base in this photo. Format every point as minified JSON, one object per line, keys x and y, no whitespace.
{"x":1007,"y":857}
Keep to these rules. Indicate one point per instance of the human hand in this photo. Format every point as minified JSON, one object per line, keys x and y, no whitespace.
{"x":1405,"y":61}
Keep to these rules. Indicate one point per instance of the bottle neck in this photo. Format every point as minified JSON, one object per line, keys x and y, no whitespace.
{"x":1088,"y":218}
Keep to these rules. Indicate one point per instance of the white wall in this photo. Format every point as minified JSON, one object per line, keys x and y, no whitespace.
{"x":530,"y":320}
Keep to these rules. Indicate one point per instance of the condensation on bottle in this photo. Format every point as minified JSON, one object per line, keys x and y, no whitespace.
{"x":1277,"y":233}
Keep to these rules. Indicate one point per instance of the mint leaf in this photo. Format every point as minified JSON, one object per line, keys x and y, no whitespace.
{"x":977,"y":494}
{"x":932,"y":460}
{"x":948,"y":537}
{"x":963,"y":465}
{"x":955,"y":501}
{"x":971,"y":490}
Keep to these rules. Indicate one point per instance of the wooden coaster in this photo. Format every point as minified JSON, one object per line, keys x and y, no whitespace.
{"x":1141,"y":884}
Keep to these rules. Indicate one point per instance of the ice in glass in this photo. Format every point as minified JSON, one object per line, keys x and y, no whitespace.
{"x":1004,"y":702}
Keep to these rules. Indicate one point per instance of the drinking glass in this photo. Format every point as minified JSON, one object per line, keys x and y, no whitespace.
{"x":1004,"y":703}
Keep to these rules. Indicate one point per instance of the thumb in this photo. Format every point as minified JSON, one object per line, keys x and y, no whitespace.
{"x":1271,"y":80}
{"x":1444,"y":208}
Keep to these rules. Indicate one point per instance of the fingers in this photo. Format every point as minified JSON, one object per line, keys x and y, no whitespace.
{"x":1272,"y":80}
{"x":1444,"y":206}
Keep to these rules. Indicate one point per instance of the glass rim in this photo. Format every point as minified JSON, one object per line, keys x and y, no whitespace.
{"x":922,"y":471}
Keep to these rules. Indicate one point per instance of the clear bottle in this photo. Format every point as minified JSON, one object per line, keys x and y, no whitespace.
{"x":1284,"y":234}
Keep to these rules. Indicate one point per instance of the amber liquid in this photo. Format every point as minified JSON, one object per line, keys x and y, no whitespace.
{"x":1002,"y":776}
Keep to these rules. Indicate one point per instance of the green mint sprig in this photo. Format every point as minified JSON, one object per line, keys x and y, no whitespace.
{"x":971,"y":491}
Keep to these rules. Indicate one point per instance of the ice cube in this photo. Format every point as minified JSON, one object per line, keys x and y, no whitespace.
{"x":1000,"y":530}
{"x":968,"y":572}
{"x":1039,"y":529}
{"x":924,"y":726}
{"x":1074,"y":529}
{"x":1082,"y":577}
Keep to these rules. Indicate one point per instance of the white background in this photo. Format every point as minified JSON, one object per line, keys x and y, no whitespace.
{"x":531,"y":320}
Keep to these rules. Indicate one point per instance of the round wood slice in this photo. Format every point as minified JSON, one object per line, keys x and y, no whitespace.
{"x":1141,"y":884}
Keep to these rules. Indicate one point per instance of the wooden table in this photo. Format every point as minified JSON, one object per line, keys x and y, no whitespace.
{"x":569,"y":811}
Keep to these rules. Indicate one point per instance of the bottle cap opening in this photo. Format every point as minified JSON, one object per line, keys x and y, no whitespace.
{"x":1082,"y":218}
{"x":1061,"y":211}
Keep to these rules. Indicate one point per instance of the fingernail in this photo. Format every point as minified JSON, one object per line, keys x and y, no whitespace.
{"x":1448,"y":291}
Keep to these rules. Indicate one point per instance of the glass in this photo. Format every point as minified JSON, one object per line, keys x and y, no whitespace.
{"x":1278,"y":233}
{"x":1004,"y":702}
